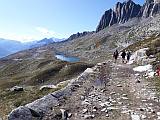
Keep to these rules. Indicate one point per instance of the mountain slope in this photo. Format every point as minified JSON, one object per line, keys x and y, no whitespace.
{"x":10,"y":46}
{"x":97,"y":46}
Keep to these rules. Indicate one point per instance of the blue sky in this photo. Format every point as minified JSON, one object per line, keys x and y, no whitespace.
{"x":26,"y":20}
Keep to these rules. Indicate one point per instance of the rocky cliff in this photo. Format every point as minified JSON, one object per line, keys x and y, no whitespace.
{"x":78,"y":35}
{"x":128,"y":10}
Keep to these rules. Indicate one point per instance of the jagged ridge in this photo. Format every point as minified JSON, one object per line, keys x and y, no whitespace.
{"x":78,"y":35}
{"x":128,"y":10}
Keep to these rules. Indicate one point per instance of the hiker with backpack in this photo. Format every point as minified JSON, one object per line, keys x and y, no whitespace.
{"x":115,"y":55}
{"x":128,"y":56}
{"x":123,"y":56}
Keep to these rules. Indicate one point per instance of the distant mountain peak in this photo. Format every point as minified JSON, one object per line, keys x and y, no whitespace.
{"x":78,"y":35}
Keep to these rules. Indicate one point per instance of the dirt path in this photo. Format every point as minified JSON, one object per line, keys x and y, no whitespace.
{"x":112,"y":92}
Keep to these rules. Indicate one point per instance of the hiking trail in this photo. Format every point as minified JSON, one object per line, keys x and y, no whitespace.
{"x":113,"y":91}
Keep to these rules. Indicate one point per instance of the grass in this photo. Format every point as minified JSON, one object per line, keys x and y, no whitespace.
{"x":142,"y":44}
{"x":32,"y":74}
{"x":10,"y":99}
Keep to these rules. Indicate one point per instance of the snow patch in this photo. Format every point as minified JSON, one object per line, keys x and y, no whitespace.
{"x":138,"y":56}
{"x":143,"y":68}
{"x":146,"y":68}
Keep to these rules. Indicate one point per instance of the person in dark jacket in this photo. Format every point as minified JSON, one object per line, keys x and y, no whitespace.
{"x":128,"y":56}
{"x":123,"y":56}
{"x":115,"y":55}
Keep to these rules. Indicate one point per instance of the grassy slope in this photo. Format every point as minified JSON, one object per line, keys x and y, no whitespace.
{"x":31,"y":74}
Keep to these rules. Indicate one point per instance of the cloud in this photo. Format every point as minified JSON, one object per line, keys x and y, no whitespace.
{"x":34,"y":35}
{"x":45,"y":31}
{"x":13,"y":36}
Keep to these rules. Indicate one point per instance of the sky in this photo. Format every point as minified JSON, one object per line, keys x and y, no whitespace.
{"x":26,"y":20}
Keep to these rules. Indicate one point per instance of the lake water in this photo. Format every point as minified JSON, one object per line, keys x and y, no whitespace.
{"x":67,"y":58}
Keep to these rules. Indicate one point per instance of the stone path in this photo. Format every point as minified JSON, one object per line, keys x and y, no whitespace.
{"x":111,"y":92}
{"x":108,"y":91}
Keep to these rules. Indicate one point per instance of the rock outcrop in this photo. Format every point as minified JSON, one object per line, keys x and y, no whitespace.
{"x":78,"y":35}
{"x":40,"y":107}
{"x":128,"y":10}
{"x":17,"y":88}
{"x":21,"y":113}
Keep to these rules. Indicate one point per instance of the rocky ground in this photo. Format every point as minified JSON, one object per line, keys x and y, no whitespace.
{"x":112,"y":91}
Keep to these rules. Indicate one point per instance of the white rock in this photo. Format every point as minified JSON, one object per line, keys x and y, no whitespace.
{"x":124,"y":98}
{"x":144,"y":100}
{"x":124,"y":95}
{"x":158,"y":113}
{"x":119,"y":85}
{"x":112,"y":108}
{"x":137,"y":74}
{"x":99,"y":64}
{"x":89,"y":116}
{"x":125,"y":112}
{"x":135,"y":117}
{"x":112,"y":93}
{"x":107,"y":115}
{"x":94,"y":110}
{"x":104,"y":109}
{"x":89,"y":70}
{"x":105,"y":104}
{"x":158,"y":118}
{"x":69,"y":115}
{"x":82,"y":98}
{"x":143,"y":117}
{"x":85,"y":102}
{"x":48,"y":86}
{"x":84,"y":111}
{"x":120,"y":103}
{"x":17,"y":88}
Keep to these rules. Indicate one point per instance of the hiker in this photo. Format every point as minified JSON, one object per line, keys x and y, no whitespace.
{"x":128,"y":56}
{"x":115,"y":55}
{"x":123,"y":56}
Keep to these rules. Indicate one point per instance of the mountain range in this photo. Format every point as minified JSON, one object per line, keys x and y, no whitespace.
{"x":8,"y":47}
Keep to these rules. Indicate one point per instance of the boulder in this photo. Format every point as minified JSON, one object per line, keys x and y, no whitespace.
{"x":43,"y":104}
{"x":17,"y":88}
{"x":44,"y":87}
{"x":20,"y":113}
{"x":89,"y":116}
